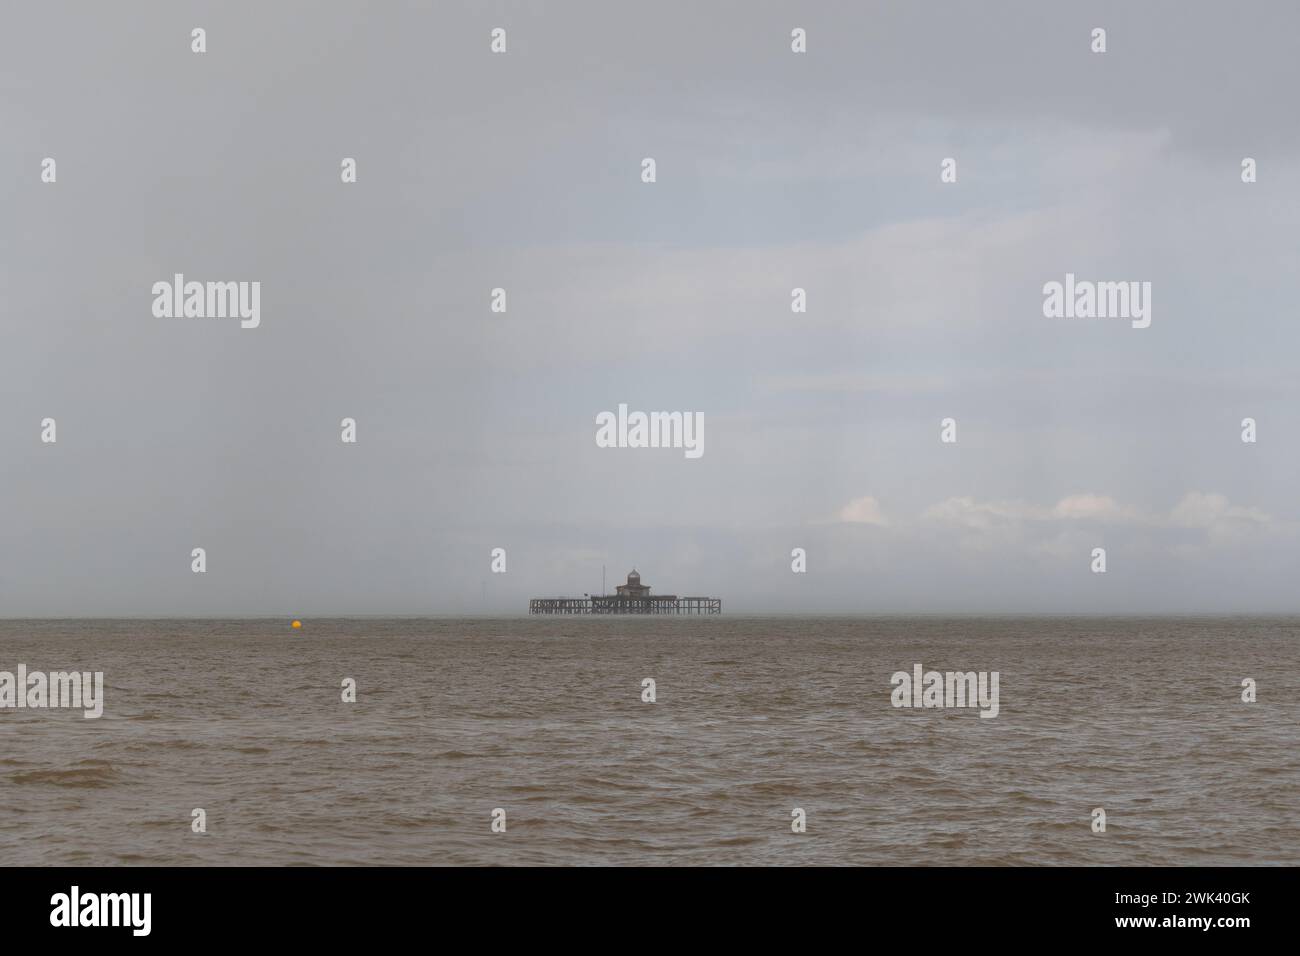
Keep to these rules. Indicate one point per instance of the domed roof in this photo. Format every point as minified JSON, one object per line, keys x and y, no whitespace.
{"x":633,"y":577}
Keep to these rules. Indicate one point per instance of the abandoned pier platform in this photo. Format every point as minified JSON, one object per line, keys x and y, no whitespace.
{"x":630,"y":598}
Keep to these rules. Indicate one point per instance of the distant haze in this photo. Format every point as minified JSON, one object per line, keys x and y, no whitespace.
{"x":775,"y":170}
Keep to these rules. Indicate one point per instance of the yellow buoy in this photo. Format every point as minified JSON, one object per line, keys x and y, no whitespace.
{"x":297,"y":624}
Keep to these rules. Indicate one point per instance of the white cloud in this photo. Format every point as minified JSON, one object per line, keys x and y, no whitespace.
{"x":966,"y":512}
{"x":1196,"y":510}
{"x":1215,"y":514}
{"x":865,"y":510}
{"x":1093,"y":507}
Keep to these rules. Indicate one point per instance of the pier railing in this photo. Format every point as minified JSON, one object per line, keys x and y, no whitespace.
{"x":656,"y":604}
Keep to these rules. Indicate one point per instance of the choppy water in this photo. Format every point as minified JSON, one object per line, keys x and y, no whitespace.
{"x":755,"y":716}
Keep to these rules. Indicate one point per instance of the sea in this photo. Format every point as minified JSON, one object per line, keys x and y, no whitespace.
{"x":534,"y":741}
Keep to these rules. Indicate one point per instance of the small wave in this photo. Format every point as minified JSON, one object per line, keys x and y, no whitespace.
{"x":89,"y":773}
{"x":736,"y":841}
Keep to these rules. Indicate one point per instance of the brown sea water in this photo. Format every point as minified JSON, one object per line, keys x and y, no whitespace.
{"x":755,"y":716}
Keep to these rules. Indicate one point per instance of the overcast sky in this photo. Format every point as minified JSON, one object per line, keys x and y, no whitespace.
{"x":775,"y":170}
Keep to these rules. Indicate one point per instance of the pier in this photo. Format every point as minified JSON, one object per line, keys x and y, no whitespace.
{"x":631,"y":598}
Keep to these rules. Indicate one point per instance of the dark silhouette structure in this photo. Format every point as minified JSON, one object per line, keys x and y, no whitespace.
{"x":630,"y":598}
